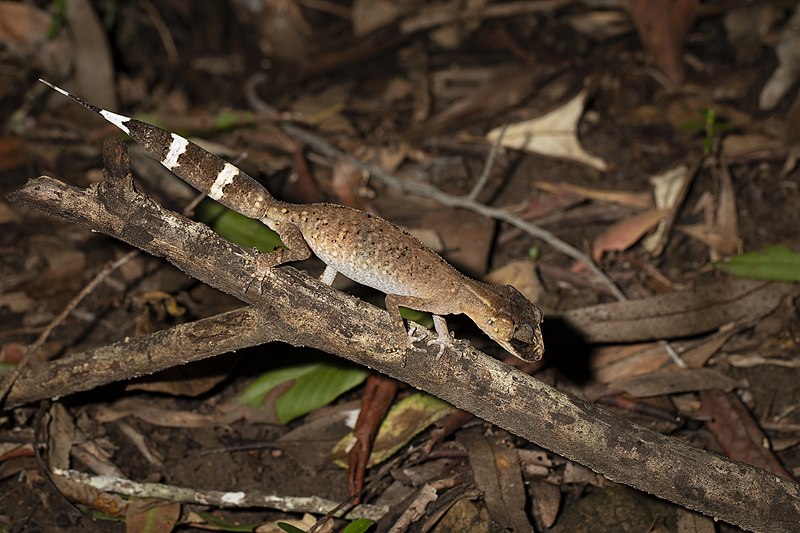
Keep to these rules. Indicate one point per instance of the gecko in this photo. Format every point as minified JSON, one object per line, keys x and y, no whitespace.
{"x":363,"y":247}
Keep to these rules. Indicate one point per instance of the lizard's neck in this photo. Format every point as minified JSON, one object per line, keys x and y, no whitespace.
{"x":479,"y":301}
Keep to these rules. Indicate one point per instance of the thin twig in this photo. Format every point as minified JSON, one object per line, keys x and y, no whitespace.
{"x":216,"y":498}
{"x":422,"y":189}
{"x":9,"y":381}
{"x":487,"y":167}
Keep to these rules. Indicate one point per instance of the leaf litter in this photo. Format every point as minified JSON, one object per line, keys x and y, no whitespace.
{"x":446,"y":97}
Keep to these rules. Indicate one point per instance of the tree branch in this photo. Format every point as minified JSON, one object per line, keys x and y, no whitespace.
{"x":304,"y":312}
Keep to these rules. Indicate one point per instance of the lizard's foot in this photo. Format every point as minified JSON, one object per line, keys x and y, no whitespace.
{"x":413,"y":334}
{"x":447,"y":342}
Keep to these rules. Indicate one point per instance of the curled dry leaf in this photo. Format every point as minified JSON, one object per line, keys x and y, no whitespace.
{"x":554,"y":134}
{"x":669,"y":191}
{"x":626,"y":233}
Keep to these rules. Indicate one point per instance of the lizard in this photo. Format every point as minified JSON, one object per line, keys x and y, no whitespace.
{"x":363,"y":247}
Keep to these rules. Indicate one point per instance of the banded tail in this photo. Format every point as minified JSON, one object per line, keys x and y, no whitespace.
{"x":204,"y":171}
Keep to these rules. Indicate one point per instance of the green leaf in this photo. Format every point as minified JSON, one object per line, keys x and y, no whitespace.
{"x":315,"y":385}
{"x":358,"y":526}
{"x":236,"y":227}
{"x":777,"y":262}
{"x":289,"y":528}
{"x":420,"y":317}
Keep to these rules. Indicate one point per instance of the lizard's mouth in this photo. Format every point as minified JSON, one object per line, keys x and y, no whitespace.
{"x":527,"y":351}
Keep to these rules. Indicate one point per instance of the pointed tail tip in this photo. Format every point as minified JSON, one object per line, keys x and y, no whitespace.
{"x":54,"y":87}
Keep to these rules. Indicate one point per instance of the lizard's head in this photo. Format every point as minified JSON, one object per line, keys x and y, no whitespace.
{"x":513,"y":323}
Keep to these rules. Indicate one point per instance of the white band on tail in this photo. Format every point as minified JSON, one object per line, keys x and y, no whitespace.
{"x":176,"y":149}
{"x":224,"y":178}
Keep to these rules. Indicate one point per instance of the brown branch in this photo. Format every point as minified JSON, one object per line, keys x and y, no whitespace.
{"x":302,"y":311}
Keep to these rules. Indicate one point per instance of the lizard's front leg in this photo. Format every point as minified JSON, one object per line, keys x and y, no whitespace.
{"x":393,"y":303}
{"x":296,"y":248}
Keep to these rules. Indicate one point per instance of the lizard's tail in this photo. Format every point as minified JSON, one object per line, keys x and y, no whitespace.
{"x":206,"y":172}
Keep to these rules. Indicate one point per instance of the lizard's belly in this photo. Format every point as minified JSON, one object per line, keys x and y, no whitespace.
{"x":373,"y":272}
{"x":376,"y":253}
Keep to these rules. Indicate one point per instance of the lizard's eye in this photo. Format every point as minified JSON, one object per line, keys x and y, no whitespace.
{"x":524,"y":333}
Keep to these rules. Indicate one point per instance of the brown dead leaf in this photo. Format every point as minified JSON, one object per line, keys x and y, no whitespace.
{"x":376,"y":400}
{"x":662,"y":26}
{"x":370,"y":15}
{"x":10,"y":154}
{"x":285,"y":32}
{"x":610,"y":363}
{"x":190,"y":380}
{"x":678,"y":314}
{"x":17,"y":302}
{"x":144,"y":409}
{"x":23,"y":28}
{"x":626,"y":233}
{"x":497,"y":474}
{"x":546,"y":499}
{"x":673,"y":380}
{"x":727,"y":219}
{"x":737,"y":432}
{"x":507,"y":88}
{"x":153,"y":517}
{"x":12,"y":353}
{"x":467,"y":237}
{"x":692,"y":522}
{"x":346,"y":182}
{"x":522,"y":275}
{"x":714,"y":238}
{"x":634,"y":199}
{"x":742,"y":145}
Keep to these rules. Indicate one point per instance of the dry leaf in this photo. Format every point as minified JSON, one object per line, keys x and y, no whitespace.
{"x":522,"y":275}
{"x":554,"y":134}
{"x":726,"y":218}
{"x":737,"y":432}
{"x":692,"y":522}
{"x":788,"y":51}
{"x":739,"y":145}
{"x":669,"y":191}
{"x":714,"y":238}
{"x":634,"y":199}
{"x":370,"y":15}
{"x":626,"y":232}
{"x":662,"y":26}
{"x":678,"y":314}
{"x":673,"y":380}
{"x":613,"y":363}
